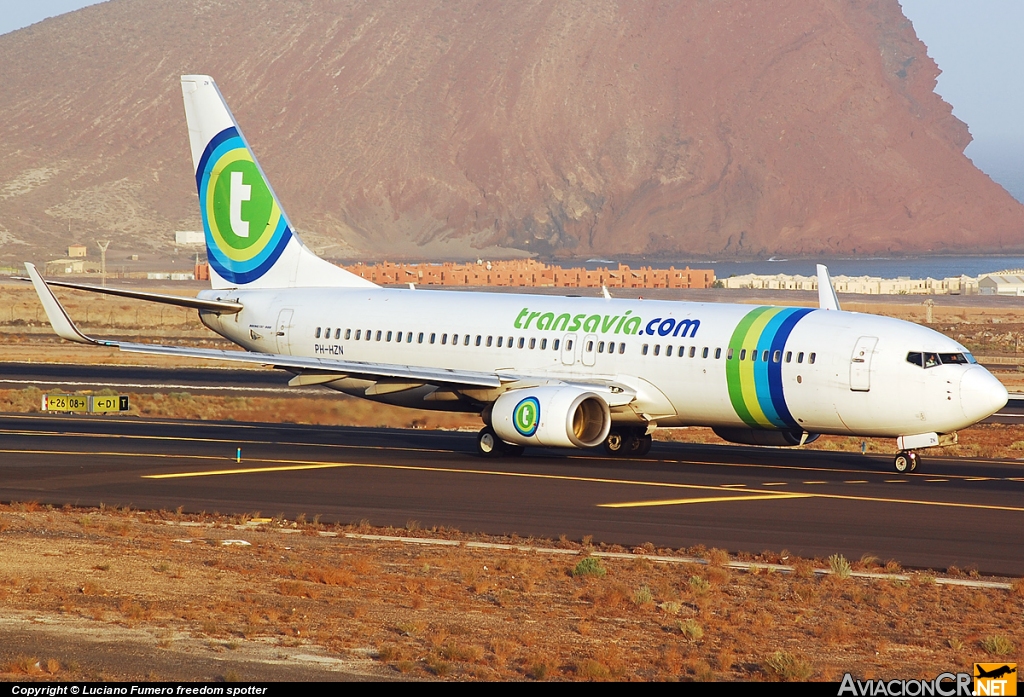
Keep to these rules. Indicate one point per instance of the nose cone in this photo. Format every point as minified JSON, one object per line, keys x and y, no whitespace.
{"x":981,"y":394}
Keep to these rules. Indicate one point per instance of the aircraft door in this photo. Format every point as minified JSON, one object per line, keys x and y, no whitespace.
{"x":589,"y":353}
{"x":569,"y":349}
{"x":860,"y":363}
{"x":284,"y":331}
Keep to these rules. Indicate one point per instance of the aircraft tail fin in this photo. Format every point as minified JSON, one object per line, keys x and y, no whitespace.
{"x":249,"y":241}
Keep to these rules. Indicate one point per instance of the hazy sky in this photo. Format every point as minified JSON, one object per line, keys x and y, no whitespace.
{"x":977,"y":44}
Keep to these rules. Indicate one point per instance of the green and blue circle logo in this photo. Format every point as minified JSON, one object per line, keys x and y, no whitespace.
{"x":526,"y":416}
{"x":245,"y":229}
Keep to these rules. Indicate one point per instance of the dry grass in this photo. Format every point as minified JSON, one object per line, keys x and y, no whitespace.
{"x":641,"y":620}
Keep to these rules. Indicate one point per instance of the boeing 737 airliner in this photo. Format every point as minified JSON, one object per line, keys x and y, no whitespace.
{"x":548,"y":370}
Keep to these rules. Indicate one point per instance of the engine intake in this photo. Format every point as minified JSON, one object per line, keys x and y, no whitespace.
{"x":554,"y":416}
{"x":753,"y":436}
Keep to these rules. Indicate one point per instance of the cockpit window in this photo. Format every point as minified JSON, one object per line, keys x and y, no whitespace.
{"x":930,"y":360}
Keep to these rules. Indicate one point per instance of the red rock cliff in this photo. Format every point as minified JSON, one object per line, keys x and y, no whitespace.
{"x":442,"y":128}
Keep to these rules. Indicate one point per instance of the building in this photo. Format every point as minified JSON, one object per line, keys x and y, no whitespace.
{"x":863,"y":285}
{"x":189,"y":238}
{"x":77,"y":250}
{"x":1002,"y":283}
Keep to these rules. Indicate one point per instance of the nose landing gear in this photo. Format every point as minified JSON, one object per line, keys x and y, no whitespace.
{"x":906,"y":461}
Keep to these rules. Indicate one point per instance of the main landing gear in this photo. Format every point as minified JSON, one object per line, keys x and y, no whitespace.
{"x":489,"y":445}
{"x":627,"y":442}
{"x":906,"y":461}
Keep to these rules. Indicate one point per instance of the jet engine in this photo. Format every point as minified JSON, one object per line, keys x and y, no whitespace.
{"x":552,"y":416}
{"x":753,"y":436}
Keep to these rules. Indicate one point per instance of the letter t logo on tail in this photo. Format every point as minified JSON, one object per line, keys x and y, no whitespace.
{"x":239,"y":192}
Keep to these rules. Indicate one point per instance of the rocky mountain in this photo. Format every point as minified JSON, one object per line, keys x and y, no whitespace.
{"x":460,"y":128}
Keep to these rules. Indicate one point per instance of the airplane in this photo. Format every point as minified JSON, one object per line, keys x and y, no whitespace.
{"x":547,"y":370}
{"x":994,"y":673}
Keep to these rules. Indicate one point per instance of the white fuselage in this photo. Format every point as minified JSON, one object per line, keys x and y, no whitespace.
{"x":689,"y":363}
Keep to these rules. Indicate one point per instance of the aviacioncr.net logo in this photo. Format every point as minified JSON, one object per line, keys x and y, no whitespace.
{"x":526,"y":416}
{"x":242,"y":206}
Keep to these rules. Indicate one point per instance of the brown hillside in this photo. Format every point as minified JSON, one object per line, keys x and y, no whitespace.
{"x":444,"y":128}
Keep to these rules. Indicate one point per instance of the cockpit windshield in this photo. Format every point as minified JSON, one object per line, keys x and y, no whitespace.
{"x":928,"y":359}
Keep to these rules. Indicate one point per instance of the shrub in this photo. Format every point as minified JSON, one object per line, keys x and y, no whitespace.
{"x":997,"y":645}
{"x":784,"y":666}
{"x":589,"y":566}
{"x":699,"y":585}
{"x":643,"y":596}
{"x":691,"y":630}
{"x":840,"y":566}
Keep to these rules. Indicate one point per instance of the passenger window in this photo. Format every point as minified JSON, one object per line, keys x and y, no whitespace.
{"x":704,"y":353}
{"x":408,"y":338}
{"x":389,"y":336}
{"x":743,"y":354}
{"x":465,"y":342}
{"x":327,"y":333}
{"x":533,"y":343}
{"x":789,"y":356}
{"x":369,"y":334}
{"x":522,"y":342}
{"x":600,"y":347}
{"x":668,"y":350}
{"x":318,"y":332}
{"x":728,"y":355}
{"x":432,"y":337}
{"x":657,"y":349}
{"x":555,"y":343}
{"x":643,"y":350}
{"x":810,"y":358}
{"x":337,"y":333}
{"x":455,"y":340}
{"x":444,"y":339}
{"x":359,"y":333}
{"x":568,"y":345}
{"x":718,"y":353}
{"x":348,"y":334}
{"x":777,"y":357}
{"x":590,"y":346}
{"x":800,"y":357}
{"x":622,"y":347}
{"x":693,"y":351}
{"x":764,"y":356}
{"x":543,"y":344}
{"x":489,"y":341}
{"x":419,"y":339}
{"x":479,"y":339}
{"x":378,"y":334}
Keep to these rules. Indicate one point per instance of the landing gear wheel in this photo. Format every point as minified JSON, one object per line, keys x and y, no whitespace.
{"x":620,"y":442}
{"x":905,"y":461}
{"x":643,"y":445}
{"x":915,"y":460}
{"x":488,"y":444}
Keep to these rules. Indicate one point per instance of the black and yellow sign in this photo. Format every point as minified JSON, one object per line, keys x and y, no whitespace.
{"x":101,"y":404}
{"x":65,"y":402}
{"x":995,"y":679}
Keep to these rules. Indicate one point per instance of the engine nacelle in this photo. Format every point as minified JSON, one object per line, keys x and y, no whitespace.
{"x":554,"y":416}
{"x":754,"y":436}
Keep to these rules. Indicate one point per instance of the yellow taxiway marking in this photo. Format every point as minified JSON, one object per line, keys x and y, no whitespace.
{"x":856,"y":481}
{"x":730,"y":486}
{"x":815,"y":482}
{"x":774,"y":483}
{"x":896,"y":481}
{"x":978,"y":479}
{"x":710,"y":499}
{"x":936,"y":480}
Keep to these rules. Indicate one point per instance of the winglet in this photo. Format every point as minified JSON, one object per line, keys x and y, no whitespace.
{"x":827,"y":299}
{"x":59,"y":319}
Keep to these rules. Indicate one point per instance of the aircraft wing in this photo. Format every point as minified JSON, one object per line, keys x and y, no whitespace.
{"x":318,"y":370}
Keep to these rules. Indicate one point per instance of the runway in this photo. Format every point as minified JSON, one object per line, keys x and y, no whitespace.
{"x":962,"y":512}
